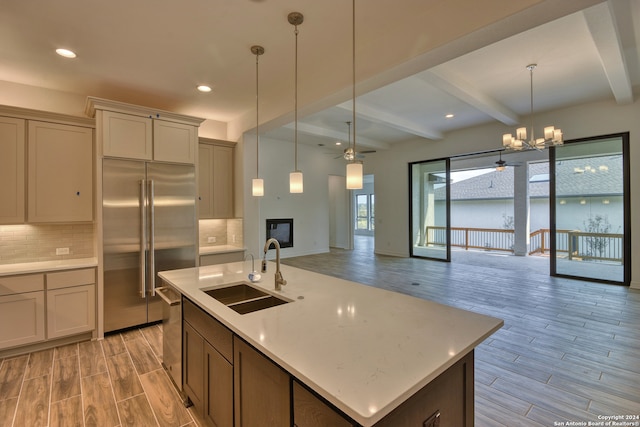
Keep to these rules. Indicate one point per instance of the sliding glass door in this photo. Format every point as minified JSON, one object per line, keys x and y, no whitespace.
{"x":430,"y":218}
{"x":590,"y":209}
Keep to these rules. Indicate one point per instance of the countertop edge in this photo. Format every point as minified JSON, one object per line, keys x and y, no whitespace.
{"x":44,"y":266}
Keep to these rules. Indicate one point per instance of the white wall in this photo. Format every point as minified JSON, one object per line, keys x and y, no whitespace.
{"x":392,"y":210}
{"x":309,"y":210}
{"x":339,"y":222}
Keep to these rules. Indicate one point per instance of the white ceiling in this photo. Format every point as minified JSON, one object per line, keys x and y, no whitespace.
{"x":416,"y":60}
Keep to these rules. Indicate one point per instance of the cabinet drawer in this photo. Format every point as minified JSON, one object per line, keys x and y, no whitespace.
{"x":211,"y":330}
{"x":65,"y":279}
{"x":19,"y":284}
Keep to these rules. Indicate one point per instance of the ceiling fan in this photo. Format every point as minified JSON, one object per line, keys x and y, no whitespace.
{"x":349,"y":154}
{"x":501,"y":164}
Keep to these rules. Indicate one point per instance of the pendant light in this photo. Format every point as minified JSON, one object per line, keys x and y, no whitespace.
{"x":257,"y":184}
{"x":354,"y":168}
{"x":295,"y":177}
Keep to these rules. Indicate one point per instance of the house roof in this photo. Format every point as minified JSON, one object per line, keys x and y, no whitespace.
{"x":599,"y":175}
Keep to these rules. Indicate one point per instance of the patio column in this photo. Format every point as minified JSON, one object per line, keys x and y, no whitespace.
{"x":521,"y":209}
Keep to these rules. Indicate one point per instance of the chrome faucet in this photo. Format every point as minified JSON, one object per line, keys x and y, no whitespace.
{"x":278,"y":279}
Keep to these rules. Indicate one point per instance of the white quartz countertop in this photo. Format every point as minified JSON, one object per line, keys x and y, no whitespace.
{"x":42,"y":266}
{"x":364,"y":349}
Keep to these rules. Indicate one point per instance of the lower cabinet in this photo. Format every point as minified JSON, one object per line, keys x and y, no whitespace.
{"x":222,"y":258}
{"x":207,"y":374}
{"x":261,"y":392}
{"x":218,"y":396}
{"x":42,"y":307}
{"x":231,"y":384}
{"x":310,"y":411}
{"x":21,"y":310}
{"x":71,"y":302}
{"x":193,"y":365}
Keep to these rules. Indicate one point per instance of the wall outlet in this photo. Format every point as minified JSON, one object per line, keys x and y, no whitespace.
{"x":62,"y":251}
{"x":211,"y":239}
{"x":234,"y":238}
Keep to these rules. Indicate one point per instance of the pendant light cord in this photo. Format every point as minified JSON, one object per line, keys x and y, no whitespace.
{"x":531,"y":67}
{"x":354,"y":79}
{"x":295,"y":103}
{"x":257,"y":120}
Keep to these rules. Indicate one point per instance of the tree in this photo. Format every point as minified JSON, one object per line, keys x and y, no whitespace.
{"x":597,"y":225}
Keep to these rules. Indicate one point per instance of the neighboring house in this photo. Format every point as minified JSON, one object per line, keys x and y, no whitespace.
{"x":486,"y":201}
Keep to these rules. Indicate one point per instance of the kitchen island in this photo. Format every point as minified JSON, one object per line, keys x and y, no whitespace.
{"x":369,"y":353}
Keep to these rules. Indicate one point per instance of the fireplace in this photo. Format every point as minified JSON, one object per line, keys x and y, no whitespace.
{"x":282,"y":230}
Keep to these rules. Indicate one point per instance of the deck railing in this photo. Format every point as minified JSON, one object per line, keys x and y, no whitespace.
{"x":576,"y":244}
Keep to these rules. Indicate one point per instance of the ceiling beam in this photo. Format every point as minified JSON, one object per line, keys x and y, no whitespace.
{"x":309,"y":129}
{"x":391,"y":120}
{"x":465,"y":92}
{"x":603,"y":26}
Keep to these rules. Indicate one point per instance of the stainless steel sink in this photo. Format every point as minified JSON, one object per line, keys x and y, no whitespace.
{"x":244,"y":298}
{"x":257,"y":304}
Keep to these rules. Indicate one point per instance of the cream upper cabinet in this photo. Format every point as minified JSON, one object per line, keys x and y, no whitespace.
{"x":60,"y":173}
{"x":205,"y":181}
{"x":12,"y":155}
{"x":215,"y":179}
{"x":137,"y":132}
{"x":174,"y":142}
{"x":128,"y":136}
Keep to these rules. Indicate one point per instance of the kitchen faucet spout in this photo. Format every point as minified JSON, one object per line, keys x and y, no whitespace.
{"x":279,"y":280}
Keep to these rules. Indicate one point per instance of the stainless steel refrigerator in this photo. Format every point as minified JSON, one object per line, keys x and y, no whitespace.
{"x":149,"y":225}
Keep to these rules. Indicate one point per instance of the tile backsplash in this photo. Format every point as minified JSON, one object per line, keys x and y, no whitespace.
{"x":223,"y":231}
{"x":31,"y":243}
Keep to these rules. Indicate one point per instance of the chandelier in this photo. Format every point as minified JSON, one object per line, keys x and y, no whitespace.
{"x":552,"y":136}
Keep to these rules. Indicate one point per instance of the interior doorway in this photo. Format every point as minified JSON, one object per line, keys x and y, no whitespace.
{"x":364,"y":203}
{"x":351,"y":214}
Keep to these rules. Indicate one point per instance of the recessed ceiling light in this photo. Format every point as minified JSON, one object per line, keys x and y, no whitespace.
{"x":66,"y":53}
{"x":338,"y":142}
{"x":449,"y":116}
{"x":204,"y":88}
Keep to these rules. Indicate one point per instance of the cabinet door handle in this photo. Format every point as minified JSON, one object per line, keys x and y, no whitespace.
{"x":143,"y":236}
{"x":152,"y":237}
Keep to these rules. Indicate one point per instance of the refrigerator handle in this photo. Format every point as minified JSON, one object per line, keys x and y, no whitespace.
{"x":152,"y":238}
{"x":143,"y":237}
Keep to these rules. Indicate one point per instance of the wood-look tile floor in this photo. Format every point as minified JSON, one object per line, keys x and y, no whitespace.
{"x":569,"y":349}
{"x":118,"y":381}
